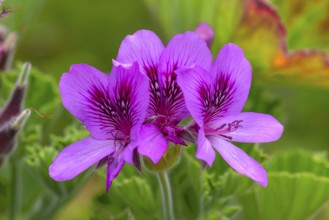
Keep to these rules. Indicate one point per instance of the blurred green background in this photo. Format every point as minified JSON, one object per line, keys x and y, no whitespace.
{"x":55,"y":34}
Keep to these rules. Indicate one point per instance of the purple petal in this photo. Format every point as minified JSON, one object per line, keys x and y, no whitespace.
{"x":195,"y":85}
{"x":114,"y":167}
{"x":172,"y":135}
{"x":239,"y":160}
{"x":78,"y":89}
{"x":206,"y":32}
{"x":143,"y":46}
{"x":127,"y":154}
{"x":184,"y":50}
{"x":205,"y":151}
{"x":78,"y":156}
{"x":231,"y":75}
{"x":129,"y":90}
{"x":252,"y":127}
{"x":152,"y":142}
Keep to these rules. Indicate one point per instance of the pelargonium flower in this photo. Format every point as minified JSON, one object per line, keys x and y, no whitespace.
{"x":112,"y":108}
{"x":159,"y":63}
{"x":215,"y":100}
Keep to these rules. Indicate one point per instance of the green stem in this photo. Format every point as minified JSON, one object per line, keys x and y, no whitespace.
{"x":15,"y":191}
{"x":166,"y":194}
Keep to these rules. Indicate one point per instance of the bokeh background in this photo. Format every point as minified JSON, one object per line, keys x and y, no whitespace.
{"x":286,"y":43}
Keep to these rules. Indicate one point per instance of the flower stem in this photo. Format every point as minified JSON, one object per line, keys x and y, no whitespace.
{"x":15,"y":191}
{"x":166,"y":194}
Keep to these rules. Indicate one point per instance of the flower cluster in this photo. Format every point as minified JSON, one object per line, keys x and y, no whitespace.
{"x":137,"y":109}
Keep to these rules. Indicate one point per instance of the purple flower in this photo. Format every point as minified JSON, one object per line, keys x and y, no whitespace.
{"x":112,"y":108}
{"x":167,"y":107}
{"x":215,"y":100}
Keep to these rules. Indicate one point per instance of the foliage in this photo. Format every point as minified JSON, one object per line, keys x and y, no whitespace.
{"x":298,"y":180}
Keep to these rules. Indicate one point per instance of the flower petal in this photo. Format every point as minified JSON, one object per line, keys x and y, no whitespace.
{"x":231,"y":74}
{"x":239,"y":160}
{"x":78,"y":156}
{"x":129,"y":91}
{"x":152,"y":143}
{"x":195,"y":85}
{"x":252,"y":127}
{"x":78,"y":89}
{"x":114,"y":167}
{"x":205,"y":151}
{"x":184,"y":50}
{"x":143,"y":46}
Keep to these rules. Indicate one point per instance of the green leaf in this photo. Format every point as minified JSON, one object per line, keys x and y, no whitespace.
{"x":288,"y":196}
{"x":300,"y":162}
{"x":129,"y":192}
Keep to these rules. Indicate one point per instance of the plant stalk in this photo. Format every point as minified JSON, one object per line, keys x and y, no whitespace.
{"x":166,"y":194}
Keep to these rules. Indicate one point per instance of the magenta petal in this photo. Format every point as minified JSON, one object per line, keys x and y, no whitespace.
{"x":143,"y":46}
{"x":114,"y":167}
{"x":129,"y":90}
{"x":184,"y":50}
{"x":253,"y":127}
{"x":77,"y":88}
{"x":205,"y":151}
{"x":240,"y":161}
{"x":231,"y":73}
{"x":79,"y":156}
{"x":195,"y":85}
{"x":152,"y":143}
{"x":127,"y":154}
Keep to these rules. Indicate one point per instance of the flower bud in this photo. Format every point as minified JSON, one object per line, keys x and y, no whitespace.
{"x":167,"y":161}
{"x":7,"y":48}
{"x":9,"y":132}
{"x":205,"y":31}
{"x":14,"y":104}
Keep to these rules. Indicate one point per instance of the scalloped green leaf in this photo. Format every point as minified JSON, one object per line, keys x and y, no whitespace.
{"x":299,"y":162}
{"x":288,"y":196}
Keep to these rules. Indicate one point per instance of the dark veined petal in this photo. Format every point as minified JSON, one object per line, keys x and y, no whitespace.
{"x":129,"y":91}
{"x":184,"y":50}
{"x":114,"y":166}
{"x":80,"y":88}
{"x":196,"y":86}
{"x":239,"y":160}
{"x":79,"y":156}
{"x":205,"y":151}
{"x":143,"y":46}
{"x":249,"y":127}
{"x":152,"y":142}
{"x":231,"y":76}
